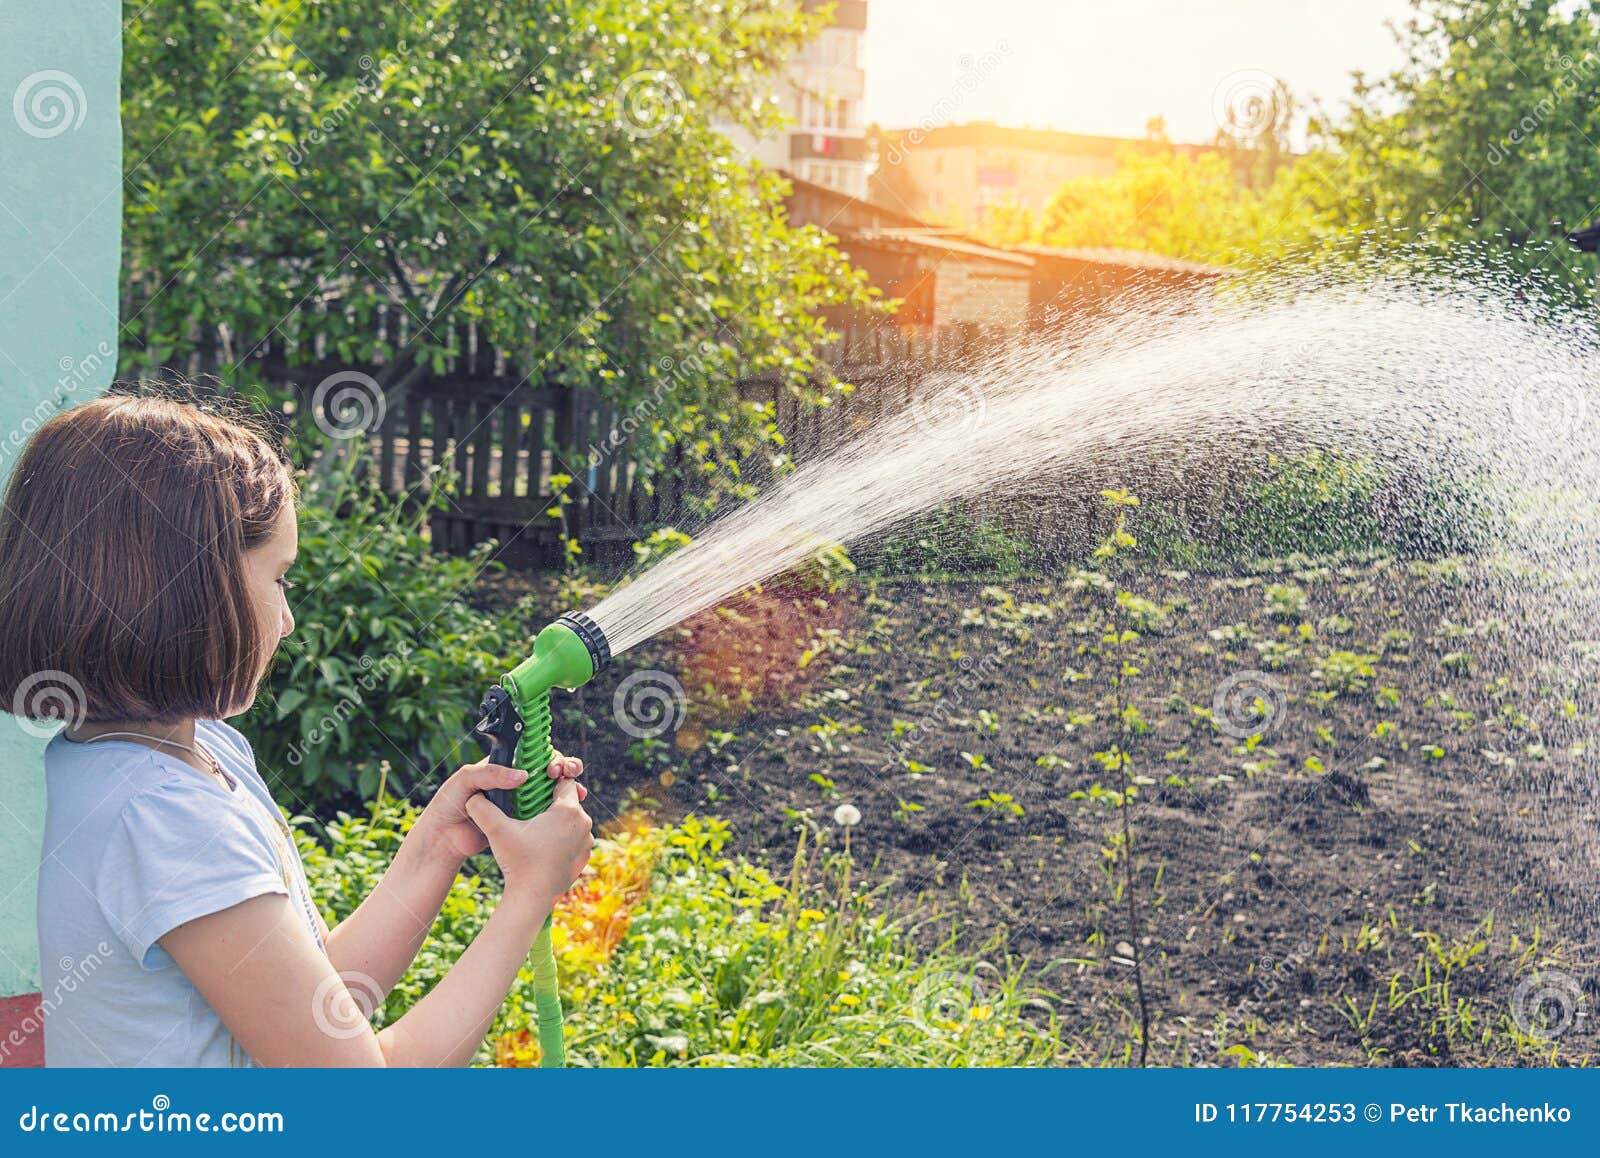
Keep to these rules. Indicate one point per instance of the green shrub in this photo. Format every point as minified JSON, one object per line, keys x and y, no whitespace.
{"x":1317,"y":504}
{"x":1286,"y":600}
{"x":1344,"y":671}
{"x":345,"y":866}
{"x":949,"y":540}
{"x":1328,"y":503}
{"x":721,"y":964}
{"x":386,"y":661}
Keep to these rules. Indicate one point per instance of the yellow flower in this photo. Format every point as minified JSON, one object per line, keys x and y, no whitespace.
{"x":849,"y":999}
{"x":980,"y":1013}
{"x":813,"y":914}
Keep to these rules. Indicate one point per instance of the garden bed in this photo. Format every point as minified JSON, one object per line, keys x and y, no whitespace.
{"x":1399,"y":869}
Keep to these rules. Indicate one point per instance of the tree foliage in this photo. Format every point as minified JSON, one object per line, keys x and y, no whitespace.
{"x":1488,"y":130}
{"x":1230,"y":202}
{"x":1180,"y":204}
{"x":548,"y":170}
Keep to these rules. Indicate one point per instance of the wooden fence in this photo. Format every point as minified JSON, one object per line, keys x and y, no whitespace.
{"x":506,"y":438}
{"x":506,"y":441}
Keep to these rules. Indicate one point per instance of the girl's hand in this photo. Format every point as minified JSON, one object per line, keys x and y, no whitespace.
{"x":543,"y":857}
{"x":445,"y":823}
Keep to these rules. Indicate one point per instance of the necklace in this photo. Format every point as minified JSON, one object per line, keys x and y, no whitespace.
{"x":202,"y":752}
{"x":283,"y":838}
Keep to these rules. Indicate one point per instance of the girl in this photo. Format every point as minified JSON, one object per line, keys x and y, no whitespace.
{"x":143,"y":548}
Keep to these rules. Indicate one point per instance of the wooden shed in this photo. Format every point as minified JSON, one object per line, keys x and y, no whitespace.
{"x":1072,"y":280}
{"x":944,"y":278}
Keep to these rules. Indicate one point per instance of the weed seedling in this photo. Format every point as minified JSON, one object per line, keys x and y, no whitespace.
{"x":997,"y":801}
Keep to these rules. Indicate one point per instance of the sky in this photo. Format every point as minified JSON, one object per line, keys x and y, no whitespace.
{"x":1108,"y":66}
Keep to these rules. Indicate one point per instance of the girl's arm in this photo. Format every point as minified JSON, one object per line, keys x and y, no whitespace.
{"x":258,"y":966}
{"x":377,"y":943}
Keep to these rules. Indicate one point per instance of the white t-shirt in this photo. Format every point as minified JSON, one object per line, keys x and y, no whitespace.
{"x":136,"y":842}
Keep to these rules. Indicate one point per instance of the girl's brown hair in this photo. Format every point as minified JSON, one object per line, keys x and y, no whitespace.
{"x":122,"y":571}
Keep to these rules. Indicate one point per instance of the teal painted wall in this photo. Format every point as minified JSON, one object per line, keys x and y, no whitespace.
{"x":60,"y":212}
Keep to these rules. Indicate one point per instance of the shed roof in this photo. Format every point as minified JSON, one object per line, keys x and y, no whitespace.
{"x":946,"y":242}
{"x":1126,"y":258}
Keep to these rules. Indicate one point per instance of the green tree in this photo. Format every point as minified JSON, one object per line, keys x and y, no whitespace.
{"x":1489,"y":129}
{"x":1182,"y":205}
{"x":1227,"y":202}
{"x":548,"y":170}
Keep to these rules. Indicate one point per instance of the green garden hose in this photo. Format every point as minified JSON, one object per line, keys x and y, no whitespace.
{"x":514,"y":726}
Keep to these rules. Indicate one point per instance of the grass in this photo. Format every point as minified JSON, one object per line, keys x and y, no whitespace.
{"x":673,"y":954}
{"x":1443,"y":997}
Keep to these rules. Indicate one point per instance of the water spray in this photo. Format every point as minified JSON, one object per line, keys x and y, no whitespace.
{"x":1393,"y":370}
{"x":514,"y":728}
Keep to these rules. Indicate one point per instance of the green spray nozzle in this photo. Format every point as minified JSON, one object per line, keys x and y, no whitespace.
{"x":566,"y":654}
{"x":514,"y":723}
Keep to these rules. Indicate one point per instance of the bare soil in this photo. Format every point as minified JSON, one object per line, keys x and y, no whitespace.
{"x":1401,"y":868}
